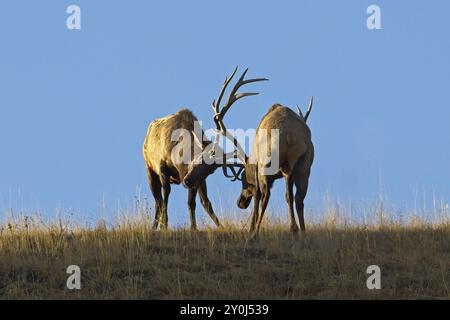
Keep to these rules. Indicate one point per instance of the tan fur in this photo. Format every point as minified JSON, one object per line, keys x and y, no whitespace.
{"x":158,"y":144}
{"x":294,"y":137}
{"x":296,"y":155}
{"x":163,"y":169}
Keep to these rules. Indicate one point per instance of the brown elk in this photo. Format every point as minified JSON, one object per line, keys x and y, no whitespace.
{"x":165,"y":168}
{"x":293,"y":147}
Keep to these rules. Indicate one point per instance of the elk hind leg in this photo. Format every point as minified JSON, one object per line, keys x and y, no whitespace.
{"x":301,"y":183}
{"x":192,"y":194}
{"x":290,"y":202}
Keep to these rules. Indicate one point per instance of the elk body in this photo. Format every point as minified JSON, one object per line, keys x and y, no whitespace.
{"x":165,"y":168}
{"x":295,"y":152}
{"x":293,"y":147}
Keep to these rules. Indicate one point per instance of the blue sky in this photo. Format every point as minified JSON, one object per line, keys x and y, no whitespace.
{"x":75,"y":105}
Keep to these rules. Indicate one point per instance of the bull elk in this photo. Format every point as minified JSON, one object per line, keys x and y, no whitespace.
{"x":294,"y":149}
{"x":163,"y":170}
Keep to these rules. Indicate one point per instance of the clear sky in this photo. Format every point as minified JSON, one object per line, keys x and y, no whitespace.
{"x":75,"y":104}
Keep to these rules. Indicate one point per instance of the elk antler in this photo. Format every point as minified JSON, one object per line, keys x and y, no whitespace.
{"x":222,"y":130}
{"x":300,"y":113}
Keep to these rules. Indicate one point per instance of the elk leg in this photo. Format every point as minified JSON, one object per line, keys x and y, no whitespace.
{"x":290,"y":202}
{"x":206,"y":204}
{"x":155,"y":187}
{"x":165,"y":182}
{"x":301,"y":183}
{"x":255,"y":214}
{"x":265,"y":196}
{"x":192,"y":194}
{"x":299,"y":198}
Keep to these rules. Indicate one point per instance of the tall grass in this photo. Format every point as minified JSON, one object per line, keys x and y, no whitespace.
{"x":125,"y":259}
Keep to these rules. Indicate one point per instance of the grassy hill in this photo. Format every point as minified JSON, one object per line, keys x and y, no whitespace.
{"x":129,"y":261}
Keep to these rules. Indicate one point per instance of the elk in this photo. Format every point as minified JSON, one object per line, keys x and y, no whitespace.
{"x":293,"y":147}
{"x":164,"y":167}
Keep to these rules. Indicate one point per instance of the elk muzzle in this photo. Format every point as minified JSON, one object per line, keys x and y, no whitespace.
{"x":244,"y":199}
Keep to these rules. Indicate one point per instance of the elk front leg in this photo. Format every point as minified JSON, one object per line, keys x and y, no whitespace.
{"x":155,"y":187}
{"x":165,"y":183}
{"x":192,"y":194}
{"x":266,"y":184}
{"x":206,"y":204}
{"x":255,"y":214}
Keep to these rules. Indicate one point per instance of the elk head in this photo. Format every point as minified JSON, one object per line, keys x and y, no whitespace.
{"x":249,"y":186}
{"x":213,"y":157}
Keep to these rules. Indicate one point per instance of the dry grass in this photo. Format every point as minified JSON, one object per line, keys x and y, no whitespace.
{"x":129,"y":261}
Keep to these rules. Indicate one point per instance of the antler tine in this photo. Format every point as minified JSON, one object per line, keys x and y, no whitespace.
{"x":300,"y":113}
{"x":219,"y":113}
{"x":235,"y":174}
{"x":233,"y":97}
{"x":216,"y":105}
{"x":309,"y":108}
{"x":225,"y":168}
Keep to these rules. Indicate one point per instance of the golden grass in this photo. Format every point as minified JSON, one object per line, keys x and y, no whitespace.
{"x":129,"y":261}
